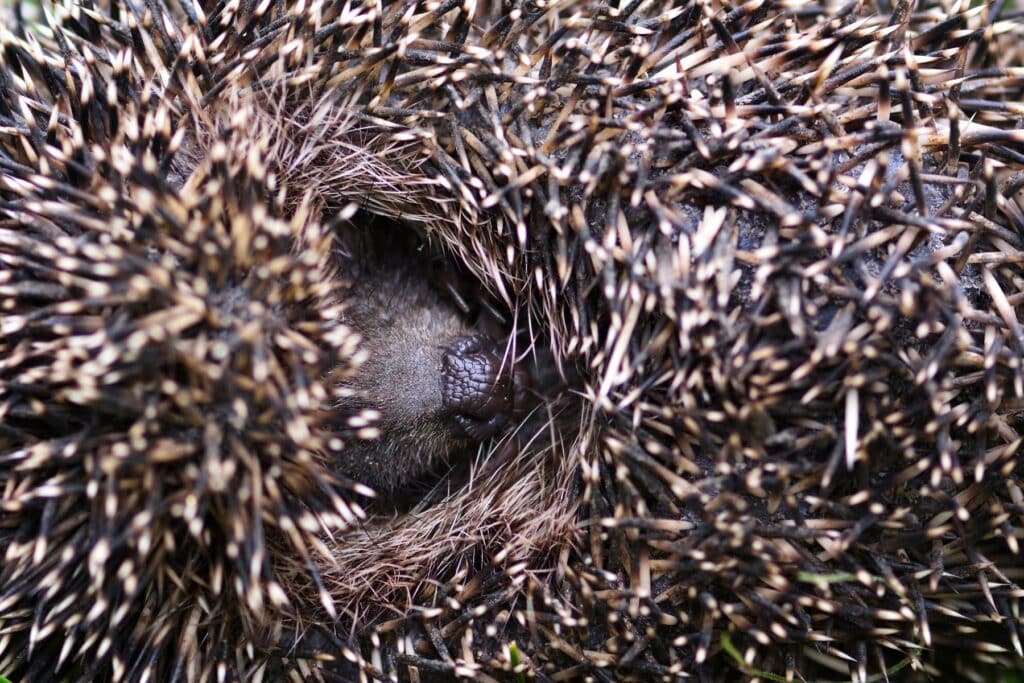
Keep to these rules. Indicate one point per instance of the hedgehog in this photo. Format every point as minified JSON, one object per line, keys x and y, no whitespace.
{"x":725,"y":381}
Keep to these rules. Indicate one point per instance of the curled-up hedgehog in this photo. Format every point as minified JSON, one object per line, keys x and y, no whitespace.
{"x":563,"y":340}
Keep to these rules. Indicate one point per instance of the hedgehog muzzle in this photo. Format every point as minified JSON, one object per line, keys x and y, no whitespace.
{"x":483,"y":389}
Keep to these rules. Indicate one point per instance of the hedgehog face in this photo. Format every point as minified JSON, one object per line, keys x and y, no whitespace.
{"x":433,"y":384}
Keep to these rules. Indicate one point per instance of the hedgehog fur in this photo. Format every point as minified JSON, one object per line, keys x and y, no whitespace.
{"x":777,"y":245}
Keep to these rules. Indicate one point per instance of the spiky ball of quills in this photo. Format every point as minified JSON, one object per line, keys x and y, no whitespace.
{"x":781,"y":243}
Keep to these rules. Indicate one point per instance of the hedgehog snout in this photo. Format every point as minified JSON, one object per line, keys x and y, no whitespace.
{"x":482,"y":390}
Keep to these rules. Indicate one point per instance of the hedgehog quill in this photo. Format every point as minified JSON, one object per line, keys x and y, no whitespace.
{"x":735,"y":290}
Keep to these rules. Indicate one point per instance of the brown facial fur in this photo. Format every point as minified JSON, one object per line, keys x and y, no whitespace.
{"x":433,"y":384}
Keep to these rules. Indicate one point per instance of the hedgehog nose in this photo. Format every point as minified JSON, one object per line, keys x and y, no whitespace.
{"x":480,"y":388}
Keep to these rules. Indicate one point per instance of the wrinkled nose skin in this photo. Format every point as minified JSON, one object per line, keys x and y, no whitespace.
{"x":481,"y":389}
